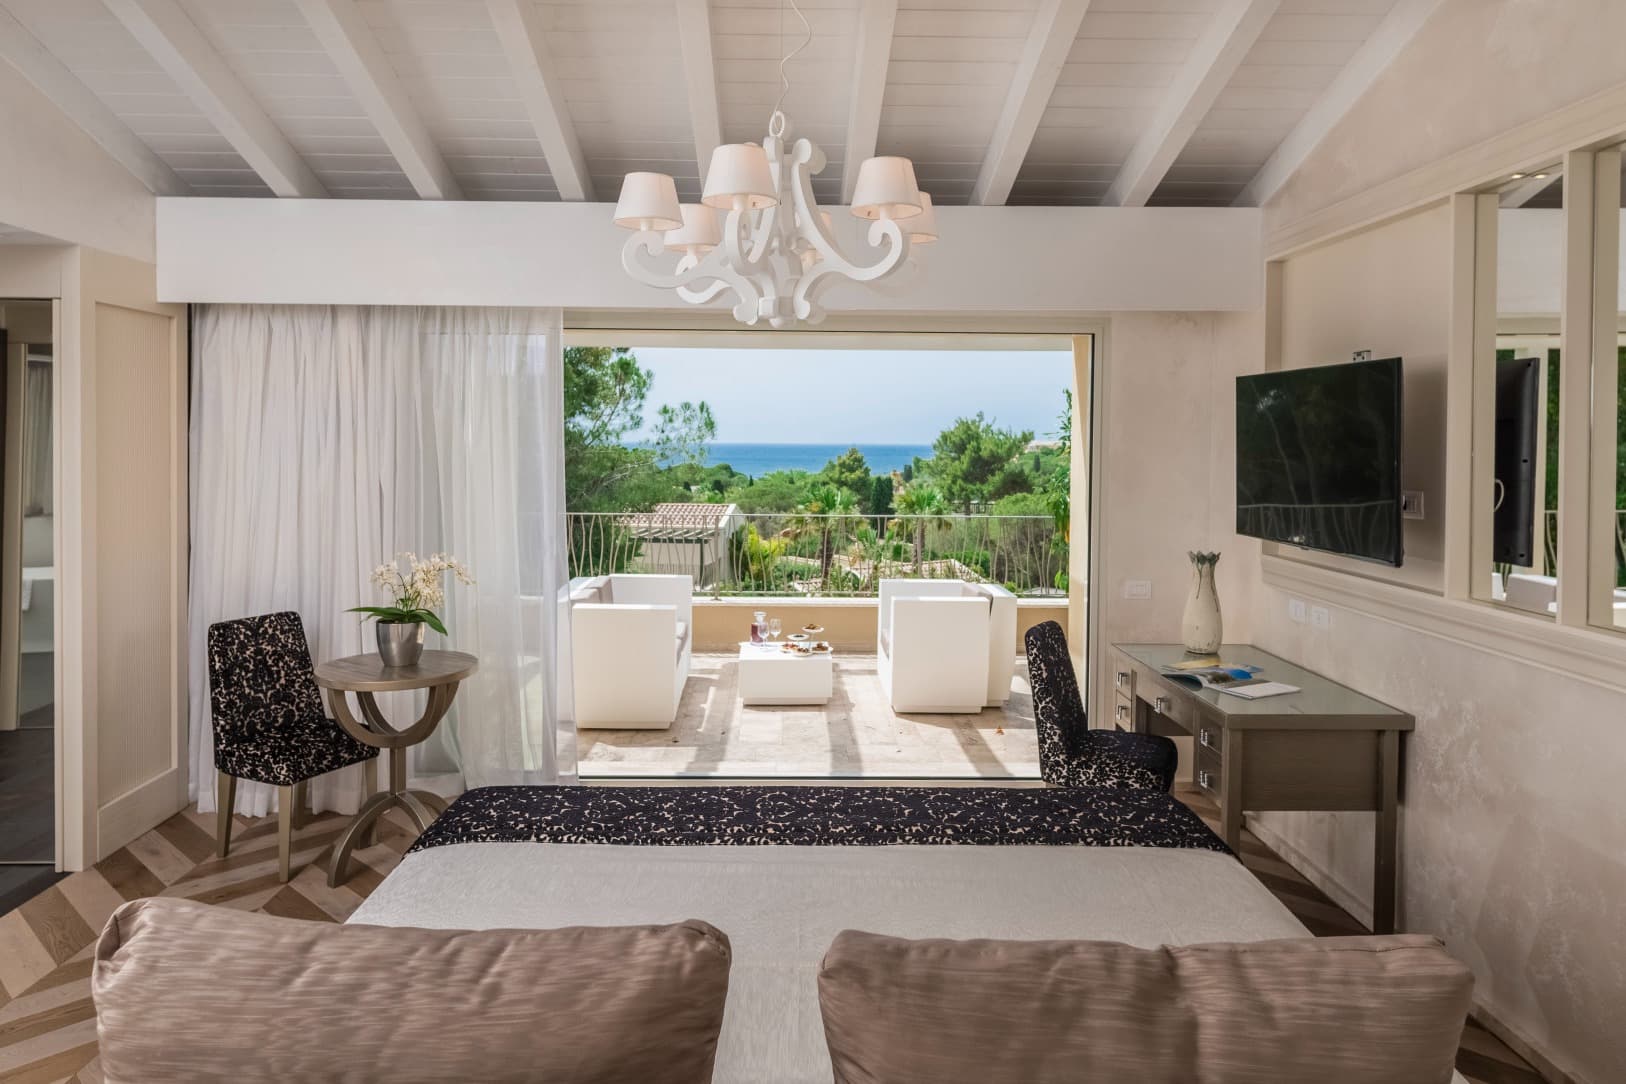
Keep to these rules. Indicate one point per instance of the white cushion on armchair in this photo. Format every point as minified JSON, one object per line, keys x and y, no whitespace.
{"x":932,"y":646}
{"x":630,"y":650}
{"x":999,"y":643}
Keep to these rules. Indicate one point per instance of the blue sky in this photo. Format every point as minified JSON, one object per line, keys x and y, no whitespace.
{"x":859,"y":396}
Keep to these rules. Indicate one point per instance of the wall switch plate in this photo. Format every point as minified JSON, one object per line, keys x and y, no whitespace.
{"x":1411,"y":504}
{"x":1320,"y":618}
{"x":1295,"y":610}
{"x":1137,"y":589}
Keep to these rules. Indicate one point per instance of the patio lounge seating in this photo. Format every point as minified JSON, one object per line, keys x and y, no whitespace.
{"x":630,"y":647}
{"x":945,"y":646}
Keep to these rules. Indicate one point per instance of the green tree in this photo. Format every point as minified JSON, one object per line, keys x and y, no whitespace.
{"x":974,"y":461}
{"x":605,"y":392}
{"x":849,"y":471}
{"x":828,"y":514}
{"x":776,"y":491}
{"x":921,"y":507}
{"x":880,"y":495}
{"x":1058,"y":487}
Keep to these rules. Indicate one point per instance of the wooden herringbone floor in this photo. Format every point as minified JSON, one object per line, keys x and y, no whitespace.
{"x":47,"y":1022}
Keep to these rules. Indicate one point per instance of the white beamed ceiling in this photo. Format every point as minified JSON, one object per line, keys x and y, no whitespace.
{"x":619,"y":68}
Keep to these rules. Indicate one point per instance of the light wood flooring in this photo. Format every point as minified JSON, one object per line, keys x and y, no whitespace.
{"x":47,"y":1021}
{"x":855,"y":735}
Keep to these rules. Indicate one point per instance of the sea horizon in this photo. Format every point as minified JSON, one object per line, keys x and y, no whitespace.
{"x":757,"y":458}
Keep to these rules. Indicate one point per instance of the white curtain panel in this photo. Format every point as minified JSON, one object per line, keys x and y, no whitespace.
{"x":36,"y":469}
{"x":326,"y":439}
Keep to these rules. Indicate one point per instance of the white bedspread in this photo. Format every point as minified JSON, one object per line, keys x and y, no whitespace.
{"x":782,"y":906}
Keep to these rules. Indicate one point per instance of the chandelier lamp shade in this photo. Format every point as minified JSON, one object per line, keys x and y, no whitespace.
{"x":759,"y":234}
{"x":648,"y":202}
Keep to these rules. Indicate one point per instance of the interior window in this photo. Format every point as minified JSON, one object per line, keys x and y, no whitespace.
{"x":1524,"y":521}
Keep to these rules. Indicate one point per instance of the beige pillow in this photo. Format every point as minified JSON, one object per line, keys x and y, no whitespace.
{"x":1366,"y":1010}
{"x":186,"y":992}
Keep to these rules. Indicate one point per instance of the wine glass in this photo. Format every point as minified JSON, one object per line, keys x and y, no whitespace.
{"x":775,"y":627}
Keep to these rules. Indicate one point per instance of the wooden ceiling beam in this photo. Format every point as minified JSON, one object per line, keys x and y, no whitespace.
{"x":181,"y":49}
{"x":1214,"y":60}
{"x":520,"y":30}
{"x":1050,"y":40}
{"x":354,"y":50}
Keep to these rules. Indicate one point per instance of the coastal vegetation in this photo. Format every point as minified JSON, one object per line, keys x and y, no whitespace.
{"x":985,"y":504}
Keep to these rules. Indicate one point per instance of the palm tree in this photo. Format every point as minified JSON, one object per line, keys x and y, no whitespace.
{"x":828,"y":512}
{"x":923,"y":507}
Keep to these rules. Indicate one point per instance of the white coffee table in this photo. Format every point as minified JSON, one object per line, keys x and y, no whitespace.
{"x":771,"y":675}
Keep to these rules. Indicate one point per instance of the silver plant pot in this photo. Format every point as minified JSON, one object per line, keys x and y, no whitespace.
{"x":400,"y":643}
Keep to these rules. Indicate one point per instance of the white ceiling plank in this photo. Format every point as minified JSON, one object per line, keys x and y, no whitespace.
{"x":521,"y":34}
{"x":354,"y":50}
{"x":52,"y":78}
{"x":875,"y":26}
{"x":700,"y":78}
{"x":1356,"y":77}
{"x":1055,"y":27}
{"x":180,"y":48}
{"x":1214,"y":60}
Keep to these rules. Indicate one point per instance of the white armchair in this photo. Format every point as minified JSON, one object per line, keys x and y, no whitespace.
{"x":630,"y":645}
{"x":945,"y":646}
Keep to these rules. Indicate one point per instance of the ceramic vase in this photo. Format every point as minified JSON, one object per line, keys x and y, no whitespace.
{"x":1202,"y":629}
{"x":400,"y":643}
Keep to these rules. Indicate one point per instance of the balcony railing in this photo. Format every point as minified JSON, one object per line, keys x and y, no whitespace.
{"x":822,"y":556}
{"x":1549,"y":548}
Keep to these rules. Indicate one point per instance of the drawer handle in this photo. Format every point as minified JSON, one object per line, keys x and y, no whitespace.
{"x":1205,"y":779}
{"x":1121,"y":711}
{"x":1121,"y":678}
{"x":1161,"y":705}
{"x":1206,"y":738}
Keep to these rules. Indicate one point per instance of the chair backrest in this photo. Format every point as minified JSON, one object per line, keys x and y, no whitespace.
{"x":1058,"y":709}
{"x":260,"y":675}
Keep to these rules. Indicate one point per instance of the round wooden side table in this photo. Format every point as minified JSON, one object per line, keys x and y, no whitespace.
{"x":366,"y":675}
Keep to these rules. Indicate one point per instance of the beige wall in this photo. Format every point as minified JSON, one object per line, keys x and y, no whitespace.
{"x":1476,"y":69}
{"x":1167,"y":471}
{"x":1387,"y":290}
{"x":1512,"y":820}
{"x":848,"y":624}
{"x":59,"y":183}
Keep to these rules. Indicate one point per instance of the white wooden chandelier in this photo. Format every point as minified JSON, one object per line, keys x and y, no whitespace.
{"x":774,"y":249}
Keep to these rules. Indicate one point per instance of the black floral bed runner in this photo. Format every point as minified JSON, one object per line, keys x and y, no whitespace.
{"x":751,"y":816}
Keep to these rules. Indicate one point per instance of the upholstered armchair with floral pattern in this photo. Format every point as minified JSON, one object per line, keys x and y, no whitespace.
{"x":1070,"y":753}
{"x":269,"y":725}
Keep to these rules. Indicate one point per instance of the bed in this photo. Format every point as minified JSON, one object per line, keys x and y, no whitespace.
{"x":782,"y":870}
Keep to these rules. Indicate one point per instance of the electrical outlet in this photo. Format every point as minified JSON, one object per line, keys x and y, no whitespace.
{"x":1411,"y":504}
{"x":1295,"y":610}
{"x":1137,"y":589}
{"x":1320,"y":618}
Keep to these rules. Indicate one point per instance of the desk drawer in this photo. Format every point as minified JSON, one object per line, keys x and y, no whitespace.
{"x":1166,"y":704}
{"x":1209,"y":739}
{"x":1123,"y":676}
{"x":1206,"y":774}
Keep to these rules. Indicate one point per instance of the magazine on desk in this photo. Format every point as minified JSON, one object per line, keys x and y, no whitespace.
{"x":1210,"y":673}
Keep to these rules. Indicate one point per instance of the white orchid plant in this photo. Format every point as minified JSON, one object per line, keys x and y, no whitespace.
{"x":417,"y":590}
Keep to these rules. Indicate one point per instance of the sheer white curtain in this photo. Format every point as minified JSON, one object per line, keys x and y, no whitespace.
{"x":325,"y":439}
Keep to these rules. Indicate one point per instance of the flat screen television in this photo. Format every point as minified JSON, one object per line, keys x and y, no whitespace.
{"x":1318,"y":458}
{"x":1518,"y":413}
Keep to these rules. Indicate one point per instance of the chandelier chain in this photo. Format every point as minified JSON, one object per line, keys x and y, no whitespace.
{"x":786,"y":58}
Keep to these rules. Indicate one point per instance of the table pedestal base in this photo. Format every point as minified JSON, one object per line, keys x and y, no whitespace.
{"x":421,"y":805}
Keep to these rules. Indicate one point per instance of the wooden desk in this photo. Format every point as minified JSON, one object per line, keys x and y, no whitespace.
{"x":1326,"y":747}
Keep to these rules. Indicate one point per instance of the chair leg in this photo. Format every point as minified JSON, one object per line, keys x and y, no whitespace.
{"x":299,"y":805}
{"x":285,"y":830}
{"x":225,"y":799}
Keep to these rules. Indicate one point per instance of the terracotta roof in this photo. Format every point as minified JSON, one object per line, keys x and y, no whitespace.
{"x":676,"y":520}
